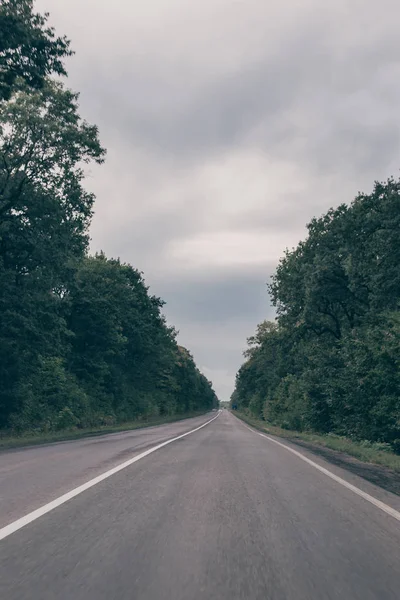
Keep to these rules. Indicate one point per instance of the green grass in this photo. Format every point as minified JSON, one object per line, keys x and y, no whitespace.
{"x":365,"y":451}
{"x":10,"y":440}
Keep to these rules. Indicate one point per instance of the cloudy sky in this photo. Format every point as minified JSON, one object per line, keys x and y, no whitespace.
{"x":229,"y":124}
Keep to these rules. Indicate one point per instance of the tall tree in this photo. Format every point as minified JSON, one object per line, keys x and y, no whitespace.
{"x":29,"y":49}
{"x":82,"y":342}
{"x":331,"y":363}
{"x":44,"y":216}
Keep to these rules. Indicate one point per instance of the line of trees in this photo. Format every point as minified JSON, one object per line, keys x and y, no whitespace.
{"x":82,"y":342}
{"x":331,"y":360}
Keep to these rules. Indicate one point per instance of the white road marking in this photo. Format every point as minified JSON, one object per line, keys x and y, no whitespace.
{"x":381,"y":505}
{"x":36,"y":514}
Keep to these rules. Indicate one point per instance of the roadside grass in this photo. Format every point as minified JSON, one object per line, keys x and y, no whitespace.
{"x":11,"y":440}
{"x":365,"y":451}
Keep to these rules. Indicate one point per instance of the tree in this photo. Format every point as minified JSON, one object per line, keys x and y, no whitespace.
{"x":44,"y":216}
{"x":43,"y":144}
{"x":120,"y":344}
{"x":29,"y":49}
{"x":330,"y":363}
{"x":82,"y":342}
{"x":123,"y":353}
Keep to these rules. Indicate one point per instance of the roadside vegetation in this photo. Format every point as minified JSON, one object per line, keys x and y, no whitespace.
{"x":83,"y":344}
{"x":364,"y":450}
{"x":330,"y":363}
{"x":10,"y":440}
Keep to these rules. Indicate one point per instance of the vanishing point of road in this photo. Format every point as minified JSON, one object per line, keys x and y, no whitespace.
{"x":220,"y":513}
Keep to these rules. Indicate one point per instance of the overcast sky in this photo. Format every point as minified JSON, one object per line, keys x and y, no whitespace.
{"x":229,"y":124}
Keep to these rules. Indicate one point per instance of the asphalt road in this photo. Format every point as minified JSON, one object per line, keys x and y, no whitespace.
{"x":30,"y":477}
{"x":221,"y":513}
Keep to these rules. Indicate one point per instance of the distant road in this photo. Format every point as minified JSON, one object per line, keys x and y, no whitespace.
{"x":221,"y":513}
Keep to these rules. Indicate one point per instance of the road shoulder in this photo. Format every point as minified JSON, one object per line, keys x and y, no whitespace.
{"x":379,"y":475}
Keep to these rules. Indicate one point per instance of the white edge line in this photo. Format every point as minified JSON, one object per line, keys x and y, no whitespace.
{"x":381,"y":505}
{"x":39,"y":512}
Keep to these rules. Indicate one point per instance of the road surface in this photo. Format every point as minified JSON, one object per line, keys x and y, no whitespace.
{"x":220,"y":513}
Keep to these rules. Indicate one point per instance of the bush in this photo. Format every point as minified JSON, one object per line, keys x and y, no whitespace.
{"x":65,"y":419}
{"x":51,"y":400}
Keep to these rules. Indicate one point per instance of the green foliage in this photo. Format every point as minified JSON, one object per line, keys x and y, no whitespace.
{"x":66,"y":419}
{"x":374,"y":452}
{"x":49,"y":398}
{"x":44,"y":215}
{"x":331,"y":361}
{"x":29,"y":50}
{"x":82,"y":342}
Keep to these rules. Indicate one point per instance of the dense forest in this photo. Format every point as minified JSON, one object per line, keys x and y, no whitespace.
{"x":82,"y":342}
{"x":330,"y":361}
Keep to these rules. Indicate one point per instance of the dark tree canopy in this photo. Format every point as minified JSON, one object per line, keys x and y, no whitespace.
{"x":29,"y":49}
{"x":331,"y":362}
{"x":82,"y":341}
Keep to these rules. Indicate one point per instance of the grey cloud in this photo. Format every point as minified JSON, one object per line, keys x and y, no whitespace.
{"x":219,"y":114}
{"x":144,"y":239}
{"x":321,"y":93}
{"x":217,"y":298}
{"x":215,"y":316}
{"x":260,"y":104}
{"x":304,"y":73}
{"x":218,"y":347}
